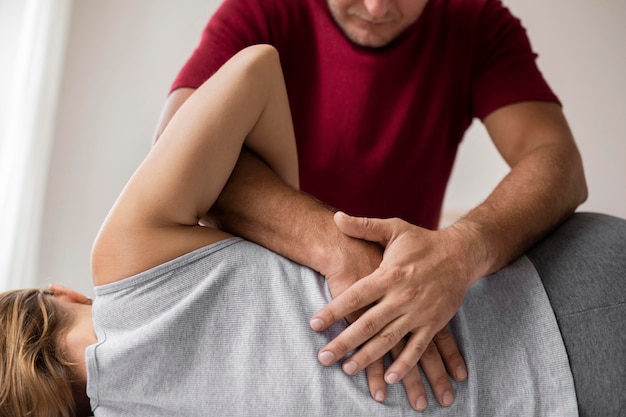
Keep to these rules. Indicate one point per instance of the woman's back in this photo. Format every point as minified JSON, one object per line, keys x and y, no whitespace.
{"x":224,"y":331}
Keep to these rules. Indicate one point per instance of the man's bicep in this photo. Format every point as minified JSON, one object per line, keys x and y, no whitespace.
{"x":521,"y":128}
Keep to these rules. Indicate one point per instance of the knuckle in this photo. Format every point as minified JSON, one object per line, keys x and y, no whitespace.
{"x":441,"y":383}
{"x":341,"y":347}
{"x":368,"y":327}
{"x":417,"y":348}
{"x":395,"y":275}
{"x":431,"y":352}
{"x":375,"y":372}
{"x":408,"y":295}
{"x":367,"y":223}
{"x":397,"y":349}
{"x":390,"y":276}
{"x":389,"y":337}
{"x":353,"y":300}
{"x":329,"y":316}
{"x":444,"y":335}
{"x":453,"y":358}
{"x":394,"y":222}
{"x":404,"y":364}
{"x":366,"y":357}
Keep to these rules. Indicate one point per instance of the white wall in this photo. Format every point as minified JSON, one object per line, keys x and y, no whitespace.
{"x":11,"y":13}
{"x":122,"y":56}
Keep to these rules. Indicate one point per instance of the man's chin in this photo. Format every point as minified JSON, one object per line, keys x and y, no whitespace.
{"x":368,"y":39}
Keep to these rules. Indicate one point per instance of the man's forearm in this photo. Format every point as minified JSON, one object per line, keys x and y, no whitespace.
{"x":536,"y":196}
{"x":545,"y":185}
{"x":257,"y":205}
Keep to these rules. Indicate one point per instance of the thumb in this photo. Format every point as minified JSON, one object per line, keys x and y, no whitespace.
{"x":367,"y":228}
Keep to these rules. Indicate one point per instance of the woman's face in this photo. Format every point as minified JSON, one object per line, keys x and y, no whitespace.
{"x":375,"y":23}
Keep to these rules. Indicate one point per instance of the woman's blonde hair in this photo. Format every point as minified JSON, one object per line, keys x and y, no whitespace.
{"x":35,"y":379}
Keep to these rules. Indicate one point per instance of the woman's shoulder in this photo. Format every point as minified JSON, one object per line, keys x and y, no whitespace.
{"x":122,"y":251}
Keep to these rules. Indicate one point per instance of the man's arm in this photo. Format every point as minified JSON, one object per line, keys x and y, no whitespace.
{"x":425,"y":275}
{"x":546,"y":183}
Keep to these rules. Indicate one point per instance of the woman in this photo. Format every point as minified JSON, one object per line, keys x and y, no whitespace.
{"x":191,"y":321}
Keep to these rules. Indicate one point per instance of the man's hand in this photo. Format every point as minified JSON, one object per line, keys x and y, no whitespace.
{"x":442,"y":356}
{"x":418,"y":287}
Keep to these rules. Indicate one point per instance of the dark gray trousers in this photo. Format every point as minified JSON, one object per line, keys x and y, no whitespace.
{"x":582,"y":265}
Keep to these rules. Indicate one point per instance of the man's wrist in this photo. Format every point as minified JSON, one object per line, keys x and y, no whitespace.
{"x":471,"y":249}
{"x":346,"y":260}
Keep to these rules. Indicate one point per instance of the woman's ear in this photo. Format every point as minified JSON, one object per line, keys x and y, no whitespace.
{"x":69,"y":295}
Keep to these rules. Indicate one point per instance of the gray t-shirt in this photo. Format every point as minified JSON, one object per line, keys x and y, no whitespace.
{"x":223,"y":331}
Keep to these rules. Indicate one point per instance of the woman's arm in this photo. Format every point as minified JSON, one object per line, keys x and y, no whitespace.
{"x":155,"y":219}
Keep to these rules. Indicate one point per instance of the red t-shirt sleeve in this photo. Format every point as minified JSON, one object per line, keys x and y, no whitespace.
{"x":505,"y":70}
{"x":235,"y":25}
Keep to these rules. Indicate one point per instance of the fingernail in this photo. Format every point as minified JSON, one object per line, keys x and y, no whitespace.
{"x":421,"y":403}
{"x":391,"y":378}
{"x":316,"y":324}
{"x":380,"y":396}
{"x":350,"y":367}
{"x":448,"y":398}
{"x":461,"y":373}
{"x":326,"y":357}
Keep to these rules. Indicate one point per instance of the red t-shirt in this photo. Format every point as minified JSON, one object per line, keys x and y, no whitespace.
{"x":378,"y":129}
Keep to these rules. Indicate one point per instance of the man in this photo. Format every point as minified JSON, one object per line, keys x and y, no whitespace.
{"x":381,"y":92}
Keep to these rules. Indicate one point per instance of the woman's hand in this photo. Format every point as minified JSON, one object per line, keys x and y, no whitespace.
{"x":418,"y":287}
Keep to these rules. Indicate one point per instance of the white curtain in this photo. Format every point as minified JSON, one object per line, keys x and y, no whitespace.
{"x":32,"y":58}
